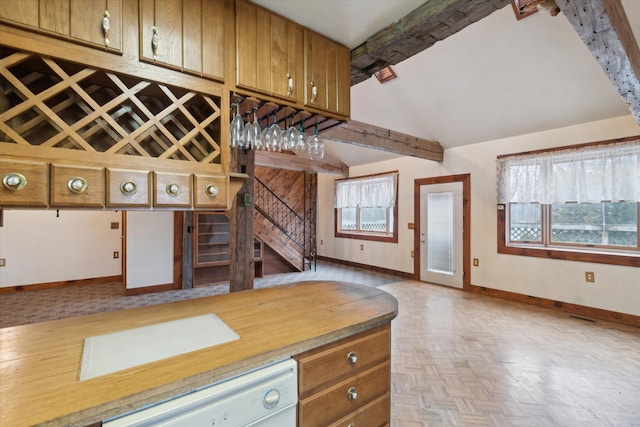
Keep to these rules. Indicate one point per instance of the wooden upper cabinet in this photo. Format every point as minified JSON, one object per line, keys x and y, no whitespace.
{"x":188,"y":35}
{"x":23,"y":13}
{"x":327,"y":74}
{"x":75,"y":20}
{"x":269,"y":51}
{"x":87,"y":23}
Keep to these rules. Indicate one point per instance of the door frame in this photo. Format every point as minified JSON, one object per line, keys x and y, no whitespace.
{"x":465,"y":179}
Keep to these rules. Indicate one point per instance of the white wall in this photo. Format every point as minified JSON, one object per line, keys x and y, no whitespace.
{"x":149,"y":248}
{"x":616,"y":288}
{"x":40,"y":247}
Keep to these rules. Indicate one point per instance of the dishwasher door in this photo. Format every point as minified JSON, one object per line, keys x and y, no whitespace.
{"x":265,"y":397}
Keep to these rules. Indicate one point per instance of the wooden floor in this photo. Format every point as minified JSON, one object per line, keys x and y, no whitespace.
{"x":462,"y":359}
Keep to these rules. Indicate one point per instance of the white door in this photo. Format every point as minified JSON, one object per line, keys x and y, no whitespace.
{"x":441,"y":234}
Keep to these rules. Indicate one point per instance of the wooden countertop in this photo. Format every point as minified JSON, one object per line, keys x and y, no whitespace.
{"x":40,"y":362}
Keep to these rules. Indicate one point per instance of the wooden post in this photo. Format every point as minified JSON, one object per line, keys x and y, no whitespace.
{"x":241,"y":267}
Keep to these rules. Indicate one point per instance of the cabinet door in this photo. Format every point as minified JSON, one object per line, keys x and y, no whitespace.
{"x":315,"y":59}
{"x":190,"y":35}
{"x":328,"y":74}
{"x":268,"y":51}
{"x":161,"y":20}
{"x":23,"y":13}
{"x":87,"y":23}
{"x":343,"y":83}
{"x":213,"y":38}
{"x":54,"y":17}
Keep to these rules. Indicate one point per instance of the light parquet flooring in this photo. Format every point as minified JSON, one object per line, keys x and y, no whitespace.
{"x":461,"y":359}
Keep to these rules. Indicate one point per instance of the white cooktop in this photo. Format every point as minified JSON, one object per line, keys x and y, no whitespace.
{"x":105,"y":354}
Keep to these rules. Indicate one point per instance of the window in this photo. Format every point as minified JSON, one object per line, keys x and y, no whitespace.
{"x":366,"y":207}
{"x":580,"y":203}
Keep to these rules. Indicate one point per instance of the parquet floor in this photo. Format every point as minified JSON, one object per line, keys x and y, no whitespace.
{"x":460,"y":359}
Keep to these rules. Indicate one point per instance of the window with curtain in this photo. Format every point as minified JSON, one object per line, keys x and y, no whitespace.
{"x":366,"y":207}
{"x":584,"y":199}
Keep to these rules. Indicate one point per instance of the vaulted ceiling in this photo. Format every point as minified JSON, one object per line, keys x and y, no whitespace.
{"x":491,"y":79}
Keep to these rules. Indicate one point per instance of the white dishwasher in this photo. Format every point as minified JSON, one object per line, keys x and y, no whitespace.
{"x":264,"y":397}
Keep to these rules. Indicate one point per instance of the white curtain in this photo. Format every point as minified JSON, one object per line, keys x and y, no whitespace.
{"x":372,"y":192}
{"x":583,"y":175}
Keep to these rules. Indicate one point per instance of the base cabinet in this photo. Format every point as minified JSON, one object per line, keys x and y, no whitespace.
{"x":347,"y":382}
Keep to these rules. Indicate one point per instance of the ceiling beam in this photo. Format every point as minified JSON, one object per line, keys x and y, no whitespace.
{"x":370,"y":136}
{"x":605,"y":30}
{"x":296,"y":163}
{"x":420,"y":29}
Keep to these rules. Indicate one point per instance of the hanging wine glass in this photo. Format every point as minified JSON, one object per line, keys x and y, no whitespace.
{"x":236,"y":138}
{"x":233,"y":129}
{"x":267,"y":136}
{"x":300,"y":147}
{"x":276,"y":135}
{"x":290,"y":136}
{"x":255,"y":130}
{"x":316,"y":147}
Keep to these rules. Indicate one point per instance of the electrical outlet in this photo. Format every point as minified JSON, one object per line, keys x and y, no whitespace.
{"x":116,"y":254}
{"x":3,"y":262}
{"x":362,"y":247}
{"x":115,"y":225}
{"x":413,"y":254}
{"x":476,"y":262}
{"x":321,"y":242}
{"x":589,"y":277}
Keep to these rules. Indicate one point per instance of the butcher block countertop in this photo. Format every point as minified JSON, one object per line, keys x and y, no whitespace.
{"x":40,"y":362}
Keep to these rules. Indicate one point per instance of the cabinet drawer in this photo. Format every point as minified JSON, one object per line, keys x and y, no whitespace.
{"x":77,"y":186}
{"x":333,"y":403}
{"x":335,"y":363}
{"x":373,"y":414}
{"x":172,"y":190}
{"x":128,"y":188}
{"x":24,"y":183}
{"x":211,"y":191}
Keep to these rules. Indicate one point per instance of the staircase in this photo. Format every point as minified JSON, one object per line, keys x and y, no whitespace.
{"x":286,"y":231}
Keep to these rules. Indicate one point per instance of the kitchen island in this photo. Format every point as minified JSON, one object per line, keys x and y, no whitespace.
{"x":40,"y":363}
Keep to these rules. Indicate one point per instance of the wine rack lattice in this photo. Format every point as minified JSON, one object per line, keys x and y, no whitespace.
{"x":52,"y":103}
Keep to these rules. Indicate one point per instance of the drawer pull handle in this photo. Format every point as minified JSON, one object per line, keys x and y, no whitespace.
{"x":128,"y":187}
{"x":173,"y":189}
{"x":352,"y":425}
{"x":14,"y":181}
{"x":352,"y":393}
{"x":352,"y":358}
{"x":77,"y":185}
{"x":211,"y":191}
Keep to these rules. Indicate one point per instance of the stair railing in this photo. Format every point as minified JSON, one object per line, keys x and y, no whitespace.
{"x":279,"y":213}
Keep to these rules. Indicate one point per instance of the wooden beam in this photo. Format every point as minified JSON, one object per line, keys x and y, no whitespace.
{"x":370,"y":136}
{"x":420,"y":29}
{"x":297,"y":163}
{"x":242,"y":262}
{"x":605,"y":30}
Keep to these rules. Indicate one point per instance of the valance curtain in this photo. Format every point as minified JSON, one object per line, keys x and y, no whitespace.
{"x":371,"y":192}
{"x":584,"y":175}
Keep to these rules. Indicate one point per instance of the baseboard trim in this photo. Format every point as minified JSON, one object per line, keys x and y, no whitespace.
{"x":60,"y":284}
{"x":397,"y":273}
{"x":579,"y":310}
{"x":149,"y":289}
